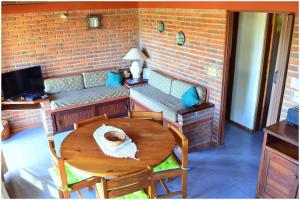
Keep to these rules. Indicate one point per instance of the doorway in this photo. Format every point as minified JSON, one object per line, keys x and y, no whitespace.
{"x":256,"y":68}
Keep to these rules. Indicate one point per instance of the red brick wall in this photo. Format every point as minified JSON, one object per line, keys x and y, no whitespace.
{"x":291,"y":93}
{"x":200,"y":60}
{"x":65,"y":45}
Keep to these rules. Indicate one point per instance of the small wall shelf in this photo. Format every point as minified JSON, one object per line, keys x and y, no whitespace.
{"x":22,"y":104}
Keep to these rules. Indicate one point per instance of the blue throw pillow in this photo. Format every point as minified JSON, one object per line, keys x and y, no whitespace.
{"x":190,"y":98}
{"x":114,"y":79}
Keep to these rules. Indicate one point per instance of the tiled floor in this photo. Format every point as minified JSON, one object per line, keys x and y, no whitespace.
{"x":229,"y":171}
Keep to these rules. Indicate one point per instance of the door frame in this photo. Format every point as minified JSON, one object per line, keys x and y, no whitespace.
{"x":226,"y":69}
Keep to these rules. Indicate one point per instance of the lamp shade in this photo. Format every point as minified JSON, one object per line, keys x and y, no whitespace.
{"x":135,"y":54}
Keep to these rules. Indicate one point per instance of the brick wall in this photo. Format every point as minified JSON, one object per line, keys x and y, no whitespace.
{"x":200,"y":60}
{"x":65,"y":45}
{"x":291,"y":92}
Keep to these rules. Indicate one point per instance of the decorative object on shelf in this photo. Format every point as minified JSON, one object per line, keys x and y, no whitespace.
{"x":65,"y":15}
{"x":146,"y":72}
{"x":161,"y":26}
{"x":136,"y":68}
{"x":180,"y":38}
{"x":126,"y":74}
{"x":5,"y":130}
{"x":93,"y":21}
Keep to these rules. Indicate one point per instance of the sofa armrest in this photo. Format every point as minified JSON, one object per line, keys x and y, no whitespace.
{"x":195,"y":108}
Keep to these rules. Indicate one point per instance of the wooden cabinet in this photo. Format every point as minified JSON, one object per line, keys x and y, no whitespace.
{"x":278,"y":174}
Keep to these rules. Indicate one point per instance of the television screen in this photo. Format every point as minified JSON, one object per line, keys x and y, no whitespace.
{"x":22,"y":82}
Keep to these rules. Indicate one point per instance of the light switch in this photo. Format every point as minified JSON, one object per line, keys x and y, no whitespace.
{"x":212,"y":72}
{"x":294,"y":83}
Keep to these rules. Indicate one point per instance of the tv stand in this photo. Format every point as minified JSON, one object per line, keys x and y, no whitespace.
{"x":20,"y":104}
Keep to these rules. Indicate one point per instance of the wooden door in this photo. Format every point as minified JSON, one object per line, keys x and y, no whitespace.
{"x":279,"y":177}
{"x":280,"y":70}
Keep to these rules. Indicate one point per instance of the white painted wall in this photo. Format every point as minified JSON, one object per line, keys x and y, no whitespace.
{"x":249,"y":52}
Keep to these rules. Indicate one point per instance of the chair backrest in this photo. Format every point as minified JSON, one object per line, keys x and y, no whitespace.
{"x":58,"y":163}
{"x":94,"y":119}
{"x":155,"y":116}
{"x":127,"y":184}
{"x":182,"y":142}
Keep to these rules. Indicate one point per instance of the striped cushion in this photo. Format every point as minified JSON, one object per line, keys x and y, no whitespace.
{"x":95,"y":79}
{"x":68,"y":83}
{"x":160,"y":81}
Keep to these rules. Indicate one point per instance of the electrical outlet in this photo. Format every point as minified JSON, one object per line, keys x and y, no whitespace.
{"x":212,"y":72}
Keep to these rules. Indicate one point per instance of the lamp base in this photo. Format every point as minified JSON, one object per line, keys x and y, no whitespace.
{"x":136,"y":69}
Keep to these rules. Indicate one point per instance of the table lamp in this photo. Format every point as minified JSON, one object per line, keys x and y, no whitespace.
{"x":135,"y":55}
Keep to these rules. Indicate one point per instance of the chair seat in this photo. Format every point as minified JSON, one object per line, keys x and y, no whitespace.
{"x":141,"y":194}
{"x":73,"y":175}
{"x":168,"y":164}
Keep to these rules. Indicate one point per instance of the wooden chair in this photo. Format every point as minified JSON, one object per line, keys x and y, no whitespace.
{"x":155,"y":116}
{"x":61,"y":173}
{"x":94,"y":119}
{"x":181,"y":170}
{"x":132,"y":184}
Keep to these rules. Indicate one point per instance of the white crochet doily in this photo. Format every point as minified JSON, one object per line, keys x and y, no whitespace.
{"x":125,"y":150}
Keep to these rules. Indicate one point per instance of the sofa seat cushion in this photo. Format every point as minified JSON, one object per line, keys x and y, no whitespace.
{"x":157,"y":100}
{"x":63,"y":84}
{"x":89,"y":95}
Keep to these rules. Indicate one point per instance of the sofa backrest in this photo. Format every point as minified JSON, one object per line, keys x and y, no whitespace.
{"x":68,"y":83}
{"x":174,"y":87}
{"x":160,"y":81}
{"x":95,"y":79}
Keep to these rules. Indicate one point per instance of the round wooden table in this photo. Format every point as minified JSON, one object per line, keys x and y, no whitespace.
{"x":154,"y":143}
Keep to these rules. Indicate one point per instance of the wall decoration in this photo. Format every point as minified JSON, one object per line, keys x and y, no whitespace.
{"x":161,"y":26}
{"x":93,"y":21}
{"x":180,"y":38}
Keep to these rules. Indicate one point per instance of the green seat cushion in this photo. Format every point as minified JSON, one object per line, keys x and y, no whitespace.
{"x":169,"y":163}
{"x":114,"y":79}
{"x":160,"y":81}
{"x":63,"y":84}
{"x":88,"y":95}
{"x":141,"y":194}
{"x":190,"y":97}
{"x":73,"y":175}
{"x":95,"y":79}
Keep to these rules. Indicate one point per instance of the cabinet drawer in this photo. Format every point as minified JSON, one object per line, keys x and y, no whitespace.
{"x":280,"y":177}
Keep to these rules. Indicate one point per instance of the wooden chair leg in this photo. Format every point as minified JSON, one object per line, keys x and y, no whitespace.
{"x":183,"y":184}
{"x":66,"y":195}
{"x":60,"y":194}
{"x":90,"y":188}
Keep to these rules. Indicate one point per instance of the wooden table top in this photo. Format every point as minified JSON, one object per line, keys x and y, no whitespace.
{"x":154,"y":143}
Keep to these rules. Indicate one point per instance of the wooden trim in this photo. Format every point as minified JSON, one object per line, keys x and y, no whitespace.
{"x":225,"y":76}
{"x":282,"y":60}
{"x":64,"y":6}
{"x":86,"y":104}
{"x":195,"y":108}
{"x":241,"y":126}
{"x":259,"y":113}
{"x":286,"y":7}
{"x":35,"y":124}
{"x":79,"y":73}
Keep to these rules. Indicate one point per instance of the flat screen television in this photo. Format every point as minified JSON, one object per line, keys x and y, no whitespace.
{"x":23,"y":83}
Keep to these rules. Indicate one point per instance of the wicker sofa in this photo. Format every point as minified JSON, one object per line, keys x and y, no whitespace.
{"x":163,"y":93}
{"x":82,"y":96}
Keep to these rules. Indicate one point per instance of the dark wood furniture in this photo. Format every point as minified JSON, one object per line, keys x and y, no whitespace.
{"x":196,"y":123}
{"x":155,"y":116}
{"x":94,"y":119}
{"x":63,"y":119}
{"x":278,"y":172}
{"x":66,"y":189}
{"x":22,"y":104}
{"x":182,"y":143}
{"x":135,"y":82}
{"x":154,"y":143}
{"x":123,"y":185}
